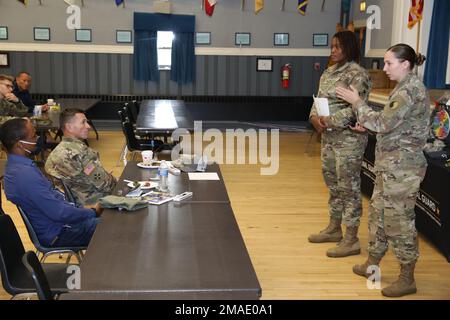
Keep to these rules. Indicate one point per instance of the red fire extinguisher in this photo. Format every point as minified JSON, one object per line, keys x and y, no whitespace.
{"x":285,"y":75}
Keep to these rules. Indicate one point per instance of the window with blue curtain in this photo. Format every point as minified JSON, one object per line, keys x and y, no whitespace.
{"x":183,"y":58}
{"x":437,"y":54}
{"x":146,"y":26}
{"x":145,"y":60}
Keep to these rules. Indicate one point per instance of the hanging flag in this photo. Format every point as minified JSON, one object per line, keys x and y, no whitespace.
{"x":119,"y":2}
{"x":346,"y":6}
{"x":283,"y":5}
{"x":302,"y":6}
{"x":24,"y":2}
{"x":259,"y":5}
{"x":415,"y":13}
{"x":243,"y":5}
{"x":209,"y":6}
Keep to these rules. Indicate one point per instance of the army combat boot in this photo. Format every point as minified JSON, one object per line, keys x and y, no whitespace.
{"x":405,"y":283}
{"x":361,"y":269}
{"x":349,"y":246}
{"x":332,"y":233}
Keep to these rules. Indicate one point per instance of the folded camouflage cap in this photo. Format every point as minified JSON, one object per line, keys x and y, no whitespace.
{"x":129,"y":204}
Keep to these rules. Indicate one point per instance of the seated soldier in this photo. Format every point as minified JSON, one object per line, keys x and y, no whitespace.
{"x":21,"y":89}
{"x":10,"y":105}
{"x":55,"y":221}
{"x":76,"y":164}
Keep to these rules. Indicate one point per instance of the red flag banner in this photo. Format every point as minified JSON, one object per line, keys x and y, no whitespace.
{"x":415,"y":13}
{"x":209,"y":6}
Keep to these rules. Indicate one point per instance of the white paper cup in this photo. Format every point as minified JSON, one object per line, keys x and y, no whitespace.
{"x":186,"y":159}
{"x":147,"y":156}
{"x":50,"y":102}
{"x":37,"y":110}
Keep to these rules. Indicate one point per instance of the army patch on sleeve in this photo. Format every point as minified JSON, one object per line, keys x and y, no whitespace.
{"x":394,"y":105}
{"x":397,"y":103}
{"x":399,"y":100}
{"x":89,"y":168}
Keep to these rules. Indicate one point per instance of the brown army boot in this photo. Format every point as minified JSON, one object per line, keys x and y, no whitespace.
{"x":349,"y":246}
{"x":361,"y":269}
{"x":332,"y":233}
{"x":405,"y":283}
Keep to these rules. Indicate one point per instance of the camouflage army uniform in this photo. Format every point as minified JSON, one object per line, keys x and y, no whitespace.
{"x":8,"y":110}
{"x":79,"y":166}
{"x":400,"y":166}
{"x":342,"y":148}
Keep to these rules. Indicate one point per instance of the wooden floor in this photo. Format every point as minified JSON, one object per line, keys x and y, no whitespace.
{"x":277,"y":213}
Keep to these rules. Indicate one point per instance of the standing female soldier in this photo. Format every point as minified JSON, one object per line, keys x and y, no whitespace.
{"x":342,"y":148}
{"x":400,"y":165}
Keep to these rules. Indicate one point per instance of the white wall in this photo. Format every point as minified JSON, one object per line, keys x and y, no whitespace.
{"x":401,"y":33}
{"x":394,"y":27}
{"x":103,"y":17}
{"x":377,"y":40}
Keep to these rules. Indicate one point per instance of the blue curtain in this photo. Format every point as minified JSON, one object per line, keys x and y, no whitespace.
{"x":146,"y":26}
{"x":437,"y":55}
{"x":183,"y":58}
{"x":145,"y":59}
{"x":346,"y":6}
{"x":164,"y":22}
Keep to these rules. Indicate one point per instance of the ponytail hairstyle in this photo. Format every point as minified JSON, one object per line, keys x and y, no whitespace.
{"x":406,"y":53}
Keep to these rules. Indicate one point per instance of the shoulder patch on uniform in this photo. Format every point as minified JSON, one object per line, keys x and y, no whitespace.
{"x":397,"y":102}
{"x":394,"y":105}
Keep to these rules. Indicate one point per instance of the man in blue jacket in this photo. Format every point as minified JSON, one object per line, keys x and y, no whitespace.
{"x":21,"y":89}
{"x":55,"y":221}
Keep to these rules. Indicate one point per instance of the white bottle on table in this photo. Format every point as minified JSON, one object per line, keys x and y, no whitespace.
{"x":163,"y":176}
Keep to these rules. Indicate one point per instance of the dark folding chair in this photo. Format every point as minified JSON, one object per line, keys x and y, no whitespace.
{"x":137,"y":106}
{"x":33,"y":265}
{"x":123,"y":118}
{"x":122,"y":115}
{"x":61,"y":184}
{"x":76,"y":251}
{"x":59,"y":134}
{"x":131,"y":112}
{"x":133,"y":143}
{"x":16,"y":279}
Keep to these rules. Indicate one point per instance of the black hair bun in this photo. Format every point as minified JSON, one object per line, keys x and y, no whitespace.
{"x":420,"y":59}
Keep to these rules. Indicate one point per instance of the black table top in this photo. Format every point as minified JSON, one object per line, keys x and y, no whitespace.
{"x":203,"y":191}
{"x":50,"y":120}
{"x":77,"y":103}
{"x":169,"y":295}
{"x":187,"y":250}
{"x":163,"y":115}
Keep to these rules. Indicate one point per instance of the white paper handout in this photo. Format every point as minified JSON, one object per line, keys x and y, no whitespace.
{"x":203,"y":176}
{"x":323,"y":110}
